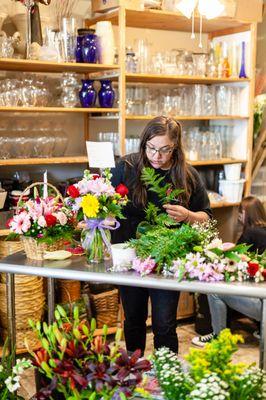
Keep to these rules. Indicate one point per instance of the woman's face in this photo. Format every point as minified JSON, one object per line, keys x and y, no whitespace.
{"x":159,"y":151}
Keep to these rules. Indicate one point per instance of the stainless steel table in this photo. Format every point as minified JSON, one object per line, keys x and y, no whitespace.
{"x":77,"y":268}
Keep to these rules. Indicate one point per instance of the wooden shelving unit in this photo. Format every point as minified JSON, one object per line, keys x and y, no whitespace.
{"x":131,"y":117}
{"x":45,"y":161}
{"x":59,"y":110}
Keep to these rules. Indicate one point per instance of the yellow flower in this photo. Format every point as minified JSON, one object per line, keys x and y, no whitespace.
{"x":90,"y":206}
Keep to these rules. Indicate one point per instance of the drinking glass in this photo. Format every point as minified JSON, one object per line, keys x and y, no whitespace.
{"x":68,"y":34}
{"x":199,"y":61}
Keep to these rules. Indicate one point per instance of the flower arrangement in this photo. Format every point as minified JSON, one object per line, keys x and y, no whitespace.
{"x":45,"y":220}
{"x":189,"y":252}
{"x":10,"y":376}
{"x":80,"y":366}
{"x":211,"y":374}
{"x":98,"y":203}
{"x":259,"y":107}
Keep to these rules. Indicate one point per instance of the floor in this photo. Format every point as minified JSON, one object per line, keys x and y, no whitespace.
{"x":248,"y":352}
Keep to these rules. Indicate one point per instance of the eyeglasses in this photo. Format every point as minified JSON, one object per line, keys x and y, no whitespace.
{"x":162,"y":151}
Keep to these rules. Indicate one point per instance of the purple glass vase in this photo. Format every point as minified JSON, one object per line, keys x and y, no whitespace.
{"x":90,"y":49}
{"x":87,"y":94}
{"x":242,"y":73}
{"x":106,"y":94}
{"x":78,"y":50}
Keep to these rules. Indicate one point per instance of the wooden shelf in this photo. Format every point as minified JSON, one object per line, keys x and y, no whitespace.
{"x":59,"y":110}
{"x":12,"y":64}
{"x":170,"y":21}
{"x":188,"y":117}
{"x":221,"y":161}
{"x":171,"y":79}
{"x":44,"y":161}
{"x":223,"y":204}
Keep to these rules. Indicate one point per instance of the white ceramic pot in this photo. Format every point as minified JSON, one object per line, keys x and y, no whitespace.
{"x":122,"y":255}
{"x":3,"y":195}
{"x":104,"y":31}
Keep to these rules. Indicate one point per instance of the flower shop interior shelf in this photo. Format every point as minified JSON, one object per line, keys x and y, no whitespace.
{"x":76,"y":267}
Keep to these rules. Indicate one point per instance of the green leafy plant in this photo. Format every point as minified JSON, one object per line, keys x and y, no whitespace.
{"x":79,"y":365}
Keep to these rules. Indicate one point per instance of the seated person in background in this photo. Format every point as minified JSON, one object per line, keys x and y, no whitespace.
{"x":252,"y":215}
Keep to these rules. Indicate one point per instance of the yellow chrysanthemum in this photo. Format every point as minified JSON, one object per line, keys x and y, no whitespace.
{"x":90,"y":206}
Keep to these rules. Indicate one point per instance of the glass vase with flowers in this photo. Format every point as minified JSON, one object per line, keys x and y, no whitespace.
{"x":97,"y":203}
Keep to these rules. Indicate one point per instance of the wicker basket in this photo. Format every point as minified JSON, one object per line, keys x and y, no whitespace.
{"x":29,"y":302}
{"x":69,"y":290}
{"x":105,"y":308}
{"x":8,"y":247}
{"x":36,"y":251}
{"x":22,"y":335}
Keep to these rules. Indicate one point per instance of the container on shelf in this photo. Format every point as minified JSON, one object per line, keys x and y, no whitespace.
{"x":90,"y":48}
{"x":106,"y":42}
{"x":232,"y":171}
{"x":87,"y":94}
{"x":232,"y":190}
{"x":3,"y":194}
{"x":106,"y":5}
{"x":106,"y":94}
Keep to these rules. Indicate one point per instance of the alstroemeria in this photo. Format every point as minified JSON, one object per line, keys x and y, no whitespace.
{"x":143,"y":267}
{"x":20,"y":223}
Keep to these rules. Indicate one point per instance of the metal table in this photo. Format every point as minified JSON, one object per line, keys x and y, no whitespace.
{"x":77,"y":268}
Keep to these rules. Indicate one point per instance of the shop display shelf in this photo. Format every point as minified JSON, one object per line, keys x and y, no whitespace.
{"x":220,"y":161}
{"x":13,"y":64}
{"x":59,"y":109}
{"x":44,"y":161}
{"x":224,"y":204}
{"x":189,"y":117}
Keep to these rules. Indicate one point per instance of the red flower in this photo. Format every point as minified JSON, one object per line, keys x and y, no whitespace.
{"x":122,"y":190}
{"x":73,"y":191}
{"x":8,"y":222}
{"x":264,"y":274}
{"x":253,"y":268}
{"x":50,"y":220}
{"x":95,"y":176}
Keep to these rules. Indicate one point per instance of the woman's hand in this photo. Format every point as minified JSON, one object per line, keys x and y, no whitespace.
{"x":178,"y":213}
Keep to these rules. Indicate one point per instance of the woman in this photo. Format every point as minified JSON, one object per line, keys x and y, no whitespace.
{"x":161,"y":149}
{"x":252,"y":215}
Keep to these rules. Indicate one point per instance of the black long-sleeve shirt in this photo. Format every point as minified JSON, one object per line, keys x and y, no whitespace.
{"x":256,"y":236}
{"x":125,"y":173}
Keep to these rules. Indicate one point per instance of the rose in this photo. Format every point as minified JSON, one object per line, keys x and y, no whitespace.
{"x":122,"y":190}
{"x":253,"y":267}
{"x":73,"y":191}
{"x":95,"y":176}
{"x":50,"y":220}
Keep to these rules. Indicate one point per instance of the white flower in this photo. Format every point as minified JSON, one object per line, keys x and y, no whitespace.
{"x":12,"y":387}
{"x":1,"y":368}
{"x":61,"y":217}
{"x":41,"y":221}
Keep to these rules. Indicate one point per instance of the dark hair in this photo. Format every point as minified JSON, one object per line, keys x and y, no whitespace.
{"x":180,"y":173}
{"x":255,"y":214}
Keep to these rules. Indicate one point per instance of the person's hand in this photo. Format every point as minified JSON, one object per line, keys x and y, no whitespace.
{"x":178,"y":213}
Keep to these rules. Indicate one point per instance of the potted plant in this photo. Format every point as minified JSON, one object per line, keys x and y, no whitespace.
{"x":77,"y":365}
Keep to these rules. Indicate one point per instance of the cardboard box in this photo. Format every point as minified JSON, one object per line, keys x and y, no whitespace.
{"x":101,"y":6}
{"x":244,"y":10}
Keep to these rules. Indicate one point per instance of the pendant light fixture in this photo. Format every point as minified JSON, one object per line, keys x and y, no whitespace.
{"x":206,"y":8}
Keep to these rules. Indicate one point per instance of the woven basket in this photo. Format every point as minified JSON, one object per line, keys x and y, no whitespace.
{"x":105,"y":308}
{"x":36,"y":251}
{"x":29,"y":302}
{"x":69,"y":290}
{"x":30,"y":336}
{"x":8,"y":247}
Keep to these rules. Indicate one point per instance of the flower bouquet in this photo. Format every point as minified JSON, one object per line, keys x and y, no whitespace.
{"x":98,"y":204}
{"x":211,"y":374}
{"x":77,"y":365}
{"x":43,"y":224}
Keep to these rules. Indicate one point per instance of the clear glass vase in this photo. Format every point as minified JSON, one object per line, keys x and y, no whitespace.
{"x":96,"y":243}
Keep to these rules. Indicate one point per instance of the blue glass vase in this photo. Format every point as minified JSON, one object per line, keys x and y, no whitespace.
{"x":106,"y":94}
{"x":87,"y":94}
{"x":242,"y":73}
{"x":90,"y":49}
{"x":78,"y":50}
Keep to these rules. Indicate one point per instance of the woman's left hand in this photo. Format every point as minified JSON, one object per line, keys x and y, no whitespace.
{"x":178,"y":213}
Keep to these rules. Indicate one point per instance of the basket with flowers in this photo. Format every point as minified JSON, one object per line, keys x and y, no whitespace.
{"x":43,"y":224}
{"x":97,"y":203}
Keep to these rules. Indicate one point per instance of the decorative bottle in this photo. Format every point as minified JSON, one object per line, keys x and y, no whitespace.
{"x":87,"y":94}
{"x":106,"y":94}
{"x":226,"y":72}
{"x":90,"y":49}
{"x":242,"y":73}
{"x":78,"y":49}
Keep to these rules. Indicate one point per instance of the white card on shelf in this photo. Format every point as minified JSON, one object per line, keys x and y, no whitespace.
{"x":100,"y":154}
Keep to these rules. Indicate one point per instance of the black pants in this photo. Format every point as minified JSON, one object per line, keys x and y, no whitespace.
{"x":164,"y":307}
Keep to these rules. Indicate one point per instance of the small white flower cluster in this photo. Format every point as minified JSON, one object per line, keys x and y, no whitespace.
{"x":211,"y":387}
{"x":13,"y":381}
{"x":208,"y":230}
{"x":254,"y":378}
{"x":172,"y":379}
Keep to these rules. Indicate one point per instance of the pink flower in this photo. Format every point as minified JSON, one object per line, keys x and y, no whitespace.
{"x":61,"y":217}
{"x":99,"y":186}
{"x":228,"y":246}
{"x":20,"y":223}
{"x":41,"y":221}
{"x":143,"y":267}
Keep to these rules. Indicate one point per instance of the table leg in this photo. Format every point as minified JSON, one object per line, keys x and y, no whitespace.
{"x":10,"y":291}
{"x":262,"y":362}
{"x":50,"y":300}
